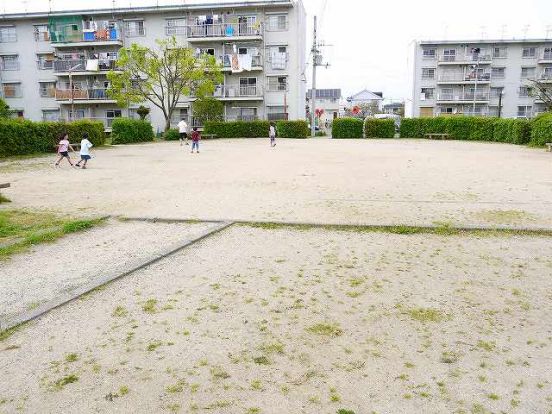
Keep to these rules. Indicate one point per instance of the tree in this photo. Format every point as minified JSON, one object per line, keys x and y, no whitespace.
{"x":162,"y":76}
{"x":5,"y":111}
{"x":208,"y":109}
{"x":541,"y":91}
{"x":143,"y":112}
{"x":363,"y":109}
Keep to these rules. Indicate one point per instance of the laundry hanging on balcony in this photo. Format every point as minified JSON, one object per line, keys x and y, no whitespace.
{"x":235,"y":60}
{"x":92,"y":65}
{"x":245,"y":62}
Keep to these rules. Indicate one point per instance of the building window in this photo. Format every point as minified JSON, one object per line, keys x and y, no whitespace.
{"x":449,"y":55}
{"x":428,"y":73}
{"x":277,"y":83}
{"x":429,"y":53}
{"x":9,"y":62}
{"x":47,"y":89}
{"x":7,"y":34}
{"x":247,"y":114}
{"x":500,"y":52}
{"x":175,"y":27}
{"x":496,"y":92}
{"x":248,"y":86}
{"x":528,"y":73}
{"x":448,"y":110}
{"x":278,"y":57}
{"x":51,"y":115}
{"x":277,"y":113}
{"x":547,"y":55}
{"x":12,"y":90}
{"x":79,"y":114}
{"x":277,"y":23}
{"x":134,"y":28}
{"x":523,"y":91}
{"x":41,"y":33}
{"x":529,"y":52}
{"x":45,"y":61}
{"x":428,"y":93}
{"x":524,"y":111}
{"x":493,"y":111}
{"x":498,"y":73}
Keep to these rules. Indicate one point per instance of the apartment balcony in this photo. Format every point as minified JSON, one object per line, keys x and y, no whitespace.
{"x":83,"y":96}
{"x":277,"y":116}
{"x":45,"y":64}
{"x":482,"y":97}
{"x":244,"y":118}
{"x":83,"y":66}
{"x":545,"y":58}
{"x":222,"y":32}
{"x":464,"y":79}
{"x":256,"y":63}
{"x":545,"y":77}
{"x":464,"y":59}
{"x":239,"y":93}
{"x":97,"y":33}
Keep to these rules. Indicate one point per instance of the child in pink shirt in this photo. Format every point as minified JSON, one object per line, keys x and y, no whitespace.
{"x":63,"y":149}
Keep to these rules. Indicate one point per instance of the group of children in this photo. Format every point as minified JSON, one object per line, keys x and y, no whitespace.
{"x":64,"y":146}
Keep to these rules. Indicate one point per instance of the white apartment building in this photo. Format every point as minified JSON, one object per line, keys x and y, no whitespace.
{"x":482,"y":78}
{"x":39,"y":52}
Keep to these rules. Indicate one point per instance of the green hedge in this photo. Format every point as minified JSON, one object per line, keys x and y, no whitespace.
{"x":541,"y":130}
{"x":237,"y":129}
{"x":171,"y":135}
{"x":292,"y":129}
{"x":513,"y":131}
{"x":379,"y":128}
{"x":127,"y":131}
{"x":347,"y":128}
{"x":20,"y":137}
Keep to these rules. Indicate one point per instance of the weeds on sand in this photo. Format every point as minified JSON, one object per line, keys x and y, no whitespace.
{"x":325,"y":329}
{"x":427,"y":314}
{"x":150,"y":306}
{"x":62,"y":382}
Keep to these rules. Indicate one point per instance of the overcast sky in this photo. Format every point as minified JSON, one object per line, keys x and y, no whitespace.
{"x":372,"y":40}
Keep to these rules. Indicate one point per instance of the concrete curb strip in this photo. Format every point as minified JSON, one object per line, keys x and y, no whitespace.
{"x":107,"y":278}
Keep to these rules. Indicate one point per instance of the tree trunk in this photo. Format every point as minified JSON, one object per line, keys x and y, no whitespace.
{"x":167,"y":124}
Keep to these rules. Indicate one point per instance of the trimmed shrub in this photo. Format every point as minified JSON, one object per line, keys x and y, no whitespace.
{"x":20,"y":137}
{"x":171,"y":135}
{"x":541,"y":130}
{"x":513,"y":131}
{"x":127,"y":131}
{"x":379,"y":128}
{"x":292,"y":129}
{"x":237,"y":129}
{"x":347,"y":128}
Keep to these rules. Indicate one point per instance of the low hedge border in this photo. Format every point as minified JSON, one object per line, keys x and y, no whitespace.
{"x":237,"y":129}
{"x":128,"y":131}
{"x":541,"y":130}
{"x":347,"y":128}
{"x":22,"y":137}
{"x":292,"y":129}
{"x":379,"y":128}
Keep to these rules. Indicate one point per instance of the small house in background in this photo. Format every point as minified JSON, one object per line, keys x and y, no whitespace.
{"x":366,"y":99}
{"x":327,"y":104}
{"x":394,"y":108}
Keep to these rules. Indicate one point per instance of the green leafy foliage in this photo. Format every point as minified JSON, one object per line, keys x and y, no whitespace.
{"x":208,"y":109}
{"x":20,"y":137}
{"x":162,"y":75}
{"x":379,"y":128}
{"x":513,"y":131}
{"x":171,"y":135}
{"x":4,"y":109}
{"x":238,"y":129}
{"x":126,"y":131}
{"x":347,"y":128}
{"x":541,"y":131}
{"x":292,"y":129}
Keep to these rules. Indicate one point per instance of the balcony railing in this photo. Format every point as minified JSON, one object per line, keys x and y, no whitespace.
{"x":238,"y":91}
{"x":45,"y":64}
{"x":176,"y":30}
{"x":546,"y":76}
{"x":547,"y":56}
{"x":256,"y":61}
{"x":459,"y":77}
{"x":81,"y":64}
{"x":223,"y":30}
{"x":463,"y":97}
{"x":465,"y":58}
{"x":82,"y":94}
{"x":99,"y":31}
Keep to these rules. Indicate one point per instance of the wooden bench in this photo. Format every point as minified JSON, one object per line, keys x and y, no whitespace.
{"x":549,"y":146}
{"x":437,"y":136}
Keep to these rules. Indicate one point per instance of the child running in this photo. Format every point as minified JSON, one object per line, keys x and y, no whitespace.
{"x":63,"y":149}
{"x":183,"y":131}
{"x":85,"y":146}
{"x":196,"y":136}
{"x":272,"y":134}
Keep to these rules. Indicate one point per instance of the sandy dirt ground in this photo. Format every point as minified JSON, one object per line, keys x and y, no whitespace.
{"x":50,"y":269}
{"x":254,"y":320}
{"x":323,"y":180}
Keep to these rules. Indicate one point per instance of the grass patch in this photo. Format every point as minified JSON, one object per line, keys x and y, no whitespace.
{"x":4,"y":199}
{"x":120,"y":312}
{"x":20,"y":229}
{"x":71,"y":357}
{"x":150,"y":306}
{"x":325,"y":329}
{"x":6,"y":333}
{"x":503,"y":216}
{"x":62,"y":382}
{"x":427,"y":315}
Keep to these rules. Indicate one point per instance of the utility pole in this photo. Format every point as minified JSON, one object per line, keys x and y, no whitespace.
{"x":315,"y":53}
{"x":500,"y":102}
{"x":316,"y":61}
